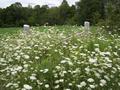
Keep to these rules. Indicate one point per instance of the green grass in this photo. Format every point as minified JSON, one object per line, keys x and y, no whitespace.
{"x":43,"y":28}
{"x":59,"y":58}
{"x":10,"y":30}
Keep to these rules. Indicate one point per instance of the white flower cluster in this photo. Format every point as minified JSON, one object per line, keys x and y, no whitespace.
{"x":62,"y":60}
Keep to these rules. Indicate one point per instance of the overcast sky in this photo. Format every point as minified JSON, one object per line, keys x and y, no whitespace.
{"x":5,"y":3}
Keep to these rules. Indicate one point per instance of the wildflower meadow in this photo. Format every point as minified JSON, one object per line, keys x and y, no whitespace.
{"x":60,"y":58}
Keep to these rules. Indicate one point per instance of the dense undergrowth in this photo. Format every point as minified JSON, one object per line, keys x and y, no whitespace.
{"x":54,"y":59}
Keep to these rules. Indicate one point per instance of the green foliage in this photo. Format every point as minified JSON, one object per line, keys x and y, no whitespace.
{"x":16,"y":15}
{"x":100,"y":12}
{"x":90,"y":10}
{"x":53,"y":16}
{"x":64,"y":11}
{"x":113,"y":15}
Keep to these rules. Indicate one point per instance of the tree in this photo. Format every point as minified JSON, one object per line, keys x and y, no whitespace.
{"x":71,"y":15}
{"x":17,"y":5}
{"x":84,"y":10}
{"x":53,"y":16}
{"x":113,"y":15}
{"x":40,"y":14}
{"x":88,"y":9}
{"x":13,"y":15}
{"x":0,"y":17}
{"x":64,"y":10}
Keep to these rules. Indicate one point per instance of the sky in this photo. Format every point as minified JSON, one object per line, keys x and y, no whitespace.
{"x":5,"y":3}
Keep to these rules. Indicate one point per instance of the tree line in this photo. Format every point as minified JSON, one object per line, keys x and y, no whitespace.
{"x":94,"y":11}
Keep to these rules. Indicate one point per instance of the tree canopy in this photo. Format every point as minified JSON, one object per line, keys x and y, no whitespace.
{"x":84,"y":10}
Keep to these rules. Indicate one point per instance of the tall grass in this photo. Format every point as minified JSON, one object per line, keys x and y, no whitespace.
{"x":60,"y":58}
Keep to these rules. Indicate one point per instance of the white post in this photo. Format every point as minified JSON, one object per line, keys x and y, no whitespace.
{"x":87,"y":25}
{"x":26,"y":28}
